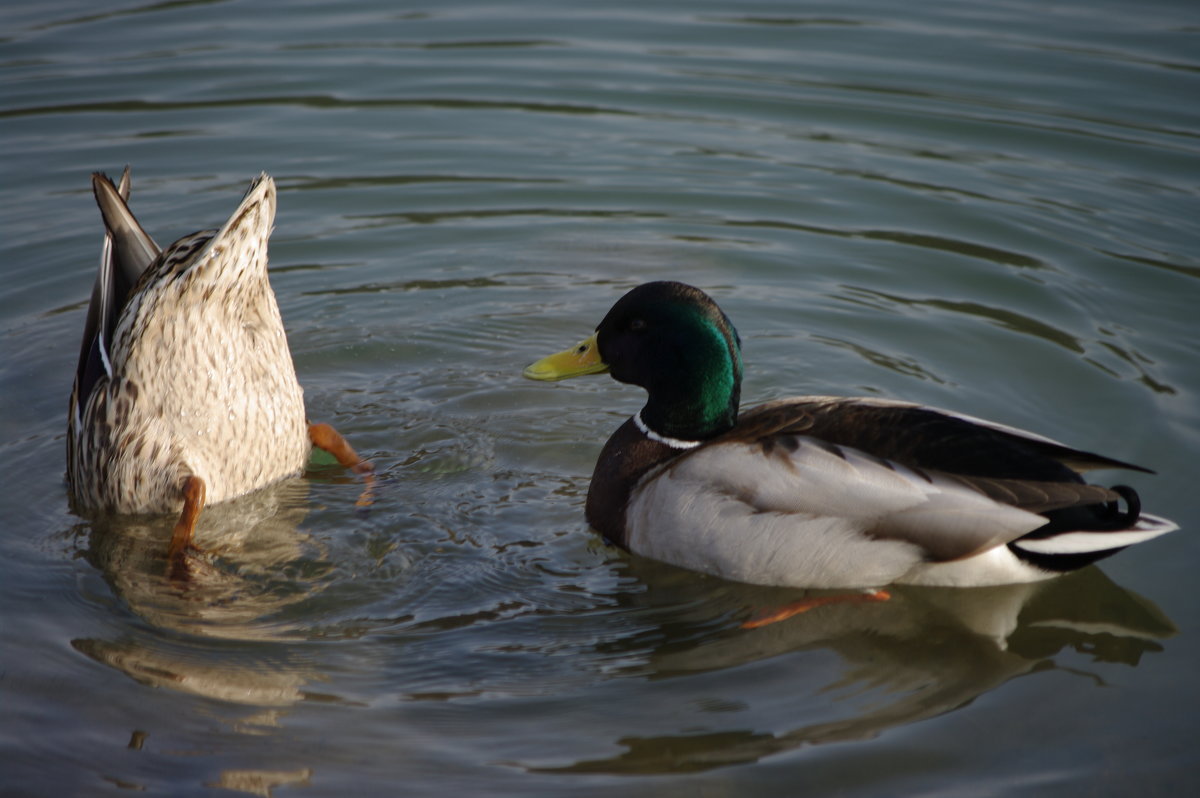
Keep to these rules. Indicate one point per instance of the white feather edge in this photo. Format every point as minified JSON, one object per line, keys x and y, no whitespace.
{"x":1148,"y":527}
{"x":104,"y":285}
{"x":816,"y":520}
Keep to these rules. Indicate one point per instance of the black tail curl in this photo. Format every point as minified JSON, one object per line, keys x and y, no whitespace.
{"x":1112,"y":510}
{"x":1106,"y":517}
{"x":1102,"y":517}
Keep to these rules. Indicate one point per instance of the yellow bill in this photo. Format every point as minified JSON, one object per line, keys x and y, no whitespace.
{"x":583,"y":358}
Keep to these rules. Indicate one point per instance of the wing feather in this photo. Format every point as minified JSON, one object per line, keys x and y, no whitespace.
{"x":927,"y":437}
{"x":812,"y":513}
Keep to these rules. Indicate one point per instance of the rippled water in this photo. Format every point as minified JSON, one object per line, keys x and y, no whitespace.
{"x":989,"y":207}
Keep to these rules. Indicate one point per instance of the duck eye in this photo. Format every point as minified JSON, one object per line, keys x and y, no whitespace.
{"x":637,"y":325}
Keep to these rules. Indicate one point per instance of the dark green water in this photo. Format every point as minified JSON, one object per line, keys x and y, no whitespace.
{"x":990,"y":207}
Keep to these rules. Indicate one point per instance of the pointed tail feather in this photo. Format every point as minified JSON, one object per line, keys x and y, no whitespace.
{"x":132,"y":247}
{"x":114,"y":279}
{"x":1076,"y":543}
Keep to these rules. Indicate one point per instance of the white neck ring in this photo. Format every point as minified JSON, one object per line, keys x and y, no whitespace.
{"x":674,"y":443}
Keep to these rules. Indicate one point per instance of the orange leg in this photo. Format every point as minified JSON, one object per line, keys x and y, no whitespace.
{"x":804,"y":605}
{"x":326,"y":437}
{"x":193,"y":503}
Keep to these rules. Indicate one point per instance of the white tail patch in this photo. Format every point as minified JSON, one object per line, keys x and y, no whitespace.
{"x":1148,"y":527}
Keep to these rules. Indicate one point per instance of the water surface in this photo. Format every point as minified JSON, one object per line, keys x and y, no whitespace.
{"x":986,"y":207}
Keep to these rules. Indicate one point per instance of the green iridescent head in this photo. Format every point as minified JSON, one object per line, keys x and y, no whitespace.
{"x":672,"y":340}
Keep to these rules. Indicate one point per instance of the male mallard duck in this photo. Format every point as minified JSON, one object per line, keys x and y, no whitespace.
{"x":822,"y":491}
{"x":185,"y":390}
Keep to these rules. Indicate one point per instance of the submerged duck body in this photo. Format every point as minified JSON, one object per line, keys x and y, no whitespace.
{"x":185,"y":392}
{"x":821,"y":491}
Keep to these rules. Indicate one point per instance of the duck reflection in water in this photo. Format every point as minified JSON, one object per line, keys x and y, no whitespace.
{"x":258,"y":567}
{"x":926,"y":652}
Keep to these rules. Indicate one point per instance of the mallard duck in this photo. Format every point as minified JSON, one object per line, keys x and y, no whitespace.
{"x":185,"y":392}
{"x":823,"y":491}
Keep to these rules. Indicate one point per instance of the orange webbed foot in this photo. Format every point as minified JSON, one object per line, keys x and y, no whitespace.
{"x":194,"y":493}
{"x":323,"y":436}
{"x":804,"y":605}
